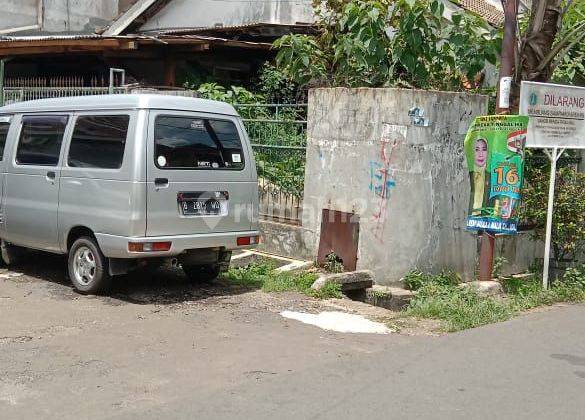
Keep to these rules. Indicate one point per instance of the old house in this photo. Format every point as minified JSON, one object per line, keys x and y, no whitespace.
{"x":157,"y":42}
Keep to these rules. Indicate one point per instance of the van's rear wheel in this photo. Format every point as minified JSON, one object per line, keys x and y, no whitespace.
{"x":201,"y":272}
{"x":88,"y":268}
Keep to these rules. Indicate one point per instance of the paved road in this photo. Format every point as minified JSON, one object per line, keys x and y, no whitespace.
{"x":161,"y":349}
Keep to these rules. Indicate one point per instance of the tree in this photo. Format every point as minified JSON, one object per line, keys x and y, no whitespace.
{"x":388,"y":43}
{"x":553,"y":40}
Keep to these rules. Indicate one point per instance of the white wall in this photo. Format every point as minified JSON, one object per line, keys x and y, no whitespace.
{"x":59,"y":15}
{"x":208,"y":13}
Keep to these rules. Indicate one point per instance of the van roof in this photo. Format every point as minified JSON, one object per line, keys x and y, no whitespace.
{"x":119,"y":102}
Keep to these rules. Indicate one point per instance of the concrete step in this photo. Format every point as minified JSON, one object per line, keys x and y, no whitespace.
{"x":486,"y":288}
{"x":350,"y":280}
{"x":393,"y":298}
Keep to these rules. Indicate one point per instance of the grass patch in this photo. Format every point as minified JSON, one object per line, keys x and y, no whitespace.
{"x":264,"y":276}
{"x":463,"y":308}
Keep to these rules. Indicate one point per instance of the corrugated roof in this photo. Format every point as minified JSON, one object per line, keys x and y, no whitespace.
{"x":484,"y":9}
{"x":11,"y":45}
{"x":210,"y":29}
{"x":13,"y":38}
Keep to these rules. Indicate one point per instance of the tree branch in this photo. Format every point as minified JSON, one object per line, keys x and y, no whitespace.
{"x":561,"y":45}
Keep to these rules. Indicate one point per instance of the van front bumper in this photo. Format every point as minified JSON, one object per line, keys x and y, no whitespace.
{"x":114,"y":246}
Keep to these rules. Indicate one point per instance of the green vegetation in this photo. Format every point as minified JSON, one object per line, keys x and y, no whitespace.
{"x":416,"y":279}
{"x":333,"y":264}
{"x":568,"y":229}
{"x":462,"y":307}
{"x":277,"y":132}
{"x":569,"y":63}
{"x":264,"y":276}
{"x":388,"y":43}
{"x":499,"y":263}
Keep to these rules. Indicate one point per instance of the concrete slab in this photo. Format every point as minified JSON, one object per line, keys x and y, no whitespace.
{"x":349,"y":281}
{"x":487,"y":288}
{"x":245,"y":257}
{"x":393,"y":298}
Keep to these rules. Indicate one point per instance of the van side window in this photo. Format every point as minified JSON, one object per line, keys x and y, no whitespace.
{"x":40,"y":140}
{"x":4,"y":126}
{"x":196,"y":143}
{"x":98,"y":141}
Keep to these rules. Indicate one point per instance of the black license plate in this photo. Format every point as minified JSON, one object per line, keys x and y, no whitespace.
{"x":201,"y":203}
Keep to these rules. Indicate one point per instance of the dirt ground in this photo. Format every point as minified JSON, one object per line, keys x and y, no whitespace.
{"x":152,"y":339}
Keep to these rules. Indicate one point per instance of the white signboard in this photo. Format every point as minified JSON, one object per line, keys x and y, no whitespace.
{"x":557,"y":115}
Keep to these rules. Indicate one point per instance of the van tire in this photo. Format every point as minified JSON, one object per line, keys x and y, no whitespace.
{"x":10,"y":253}
{"x":87,"y":266}
{"x":201,"y":272}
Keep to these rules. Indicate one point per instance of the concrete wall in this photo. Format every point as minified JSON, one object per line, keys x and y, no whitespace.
{"x":208,"y":13}
{"x":59,"y":15}
{"x":415,"y":217}
{"x":286,"y":240}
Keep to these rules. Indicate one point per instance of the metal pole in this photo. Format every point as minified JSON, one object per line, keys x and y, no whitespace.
{"x":486,"y":254}
{"x":112,"y":71}
{"x":508,"y":56}
{"x":554,"y":157}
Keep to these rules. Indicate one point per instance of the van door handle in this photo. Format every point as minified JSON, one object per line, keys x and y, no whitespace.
{"x":161,"y":182}
{"x":51,"y":176}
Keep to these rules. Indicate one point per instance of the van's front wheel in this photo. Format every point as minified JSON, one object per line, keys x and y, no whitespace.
{"x":88,"y":268}
{"x":201,"y":272}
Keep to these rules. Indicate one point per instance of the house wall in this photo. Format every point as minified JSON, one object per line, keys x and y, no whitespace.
{"x":209,"y":13}
{"x":418,"y":221}
{"x":59,"y":15}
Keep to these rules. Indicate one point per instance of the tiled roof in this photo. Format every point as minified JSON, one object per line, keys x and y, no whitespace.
{"x":484,"y":9}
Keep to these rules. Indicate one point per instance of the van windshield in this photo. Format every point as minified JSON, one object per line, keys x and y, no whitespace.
{"x":196,"y":143}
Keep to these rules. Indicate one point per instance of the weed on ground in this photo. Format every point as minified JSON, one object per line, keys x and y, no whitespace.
{"x":462,"y":307}
{"x":263,"y":275}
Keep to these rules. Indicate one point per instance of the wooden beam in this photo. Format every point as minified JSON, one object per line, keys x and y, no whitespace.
{"x":170,"y":70}
{"x":64,"y":46}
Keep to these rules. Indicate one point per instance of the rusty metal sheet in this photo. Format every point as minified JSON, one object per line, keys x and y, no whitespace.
{"x":340,"y":234}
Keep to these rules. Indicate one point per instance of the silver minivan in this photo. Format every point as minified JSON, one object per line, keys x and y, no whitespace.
{"x":119,"y":182}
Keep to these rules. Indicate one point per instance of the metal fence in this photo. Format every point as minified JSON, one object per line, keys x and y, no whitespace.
{"x":12,"y":95}
{"x":277,"y":132}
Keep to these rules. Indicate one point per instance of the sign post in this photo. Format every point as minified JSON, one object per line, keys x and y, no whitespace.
{"x":557,"y":122}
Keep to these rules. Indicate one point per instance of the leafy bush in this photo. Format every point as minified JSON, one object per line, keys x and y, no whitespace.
{"x":388,"y":43}
{"x":568,"y":229}
{"x":276,"y":87}
{"x":575,"y":276}
{"x":333,"y":264}
{"x":499,"y":263}
{"x":416,"y":279}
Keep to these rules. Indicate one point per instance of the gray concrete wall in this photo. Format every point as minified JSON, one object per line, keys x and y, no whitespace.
{"x":354,"y":135}
{"x":59,"y":15}
{"x":286,"y":240}
{"x":208,"y":13}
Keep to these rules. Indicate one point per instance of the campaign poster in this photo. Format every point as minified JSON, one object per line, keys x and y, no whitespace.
{"x":494,"y":149}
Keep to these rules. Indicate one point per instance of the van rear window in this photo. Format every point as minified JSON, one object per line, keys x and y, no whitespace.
{"x":196,"y":143}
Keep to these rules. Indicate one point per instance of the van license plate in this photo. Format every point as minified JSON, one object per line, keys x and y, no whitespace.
{"x":202,"y":203}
